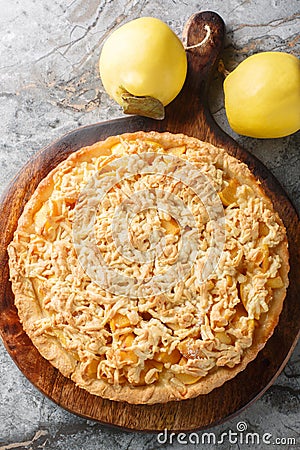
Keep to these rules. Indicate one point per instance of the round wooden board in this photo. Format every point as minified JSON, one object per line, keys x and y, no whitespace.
{"x":188,"y":114}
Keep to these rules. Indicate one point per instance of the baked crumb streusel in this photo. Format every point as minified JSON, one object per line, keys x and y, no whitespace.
{"x":141,"y":302}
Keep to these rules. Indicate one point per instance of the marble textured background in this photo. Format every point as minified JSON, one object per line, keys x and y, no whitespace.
{"x":49,"y":85}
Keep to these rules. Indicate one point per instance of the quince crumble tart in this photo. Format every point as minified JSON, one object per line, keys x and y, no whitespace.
{"x":96,"y":316}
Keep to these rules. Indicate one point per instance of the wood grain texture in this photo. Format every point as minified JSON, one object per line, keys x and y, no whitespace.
{"x":189,"y":114}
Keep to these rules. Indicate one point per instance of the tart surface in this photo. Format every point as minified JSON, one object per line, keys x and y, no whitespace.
{"x":149,"y":267}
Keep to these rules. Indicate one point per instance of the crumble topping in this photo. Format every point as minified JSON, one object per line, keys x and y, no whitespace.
{"x":181,"y":333}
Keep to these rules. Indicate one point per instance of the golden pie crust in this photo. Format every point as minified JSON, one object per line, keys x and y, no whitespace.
{"x":176,"y":343}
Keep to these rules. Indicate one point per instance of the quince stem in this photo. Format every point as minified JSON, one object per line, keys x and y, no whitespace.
{"x":222,"y":69}
{"x":143,"y":106}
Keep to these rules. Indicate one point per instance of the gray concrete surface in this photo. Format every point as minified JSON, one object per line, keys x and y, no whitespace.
{"x":49,"y":85}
